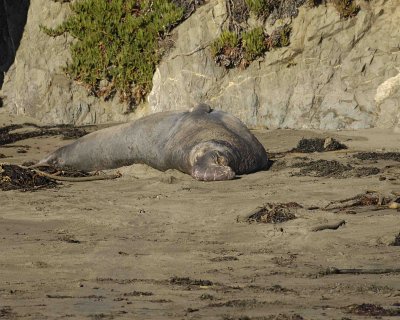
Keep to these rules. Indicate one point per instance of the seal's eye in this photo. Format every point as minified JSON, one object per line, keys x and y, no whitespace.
{"x":221,"y":160}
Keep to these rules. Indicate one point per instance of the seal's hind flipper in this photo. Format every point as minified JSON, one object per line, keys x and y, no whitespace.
{"x":212,"y":172}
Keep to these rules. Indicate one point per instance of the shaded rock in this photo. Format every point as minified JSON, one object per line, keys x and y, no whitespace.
{"x":35,"y":85}
{"x":12,"y":21}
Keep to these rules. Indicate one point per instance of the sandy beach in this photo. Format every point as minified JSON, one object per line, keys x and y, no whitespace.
{"x":160,"y":245}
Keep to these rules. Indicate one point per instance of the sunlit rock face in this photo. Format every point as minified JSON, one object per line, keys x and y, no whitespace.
{"x":335,"y":74}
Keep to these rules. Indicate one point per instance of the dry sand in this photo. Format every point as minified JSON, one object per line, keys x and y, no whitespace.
{"x":137,"y":247}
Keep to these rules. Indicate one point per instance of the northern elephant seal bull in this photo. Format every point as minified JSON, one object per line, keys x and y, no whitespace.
{"x":207,"y":144}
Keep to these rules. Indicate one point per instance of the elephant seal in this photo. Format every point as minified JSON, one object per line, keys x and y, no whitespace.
{"x":209,"y":145}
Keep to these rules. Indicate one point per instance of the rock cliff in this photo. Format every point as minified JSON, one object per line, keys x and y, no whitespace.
{"x":36,"y":85}
{"x":336,"y":73}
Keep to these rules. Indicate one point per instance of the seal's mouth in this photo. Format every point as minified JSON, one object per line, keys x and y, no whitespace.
{"x":212,"y":172}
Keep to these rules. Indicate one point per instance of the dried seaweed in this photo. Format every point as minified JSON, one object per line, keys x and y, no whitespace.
{"x":396,"y":241}
{"x":332,"y":169}
{"x":67,"y":131}
{"x":361,"y":200}
{"x":7,"y":313}
{"x":238,"y":303}
{"x":13,"y":177}
{"x":322,"y":168}
{"x":274,"y":213}
{"x":63,"y":172}
{"x":374,"y":156}
{"x":280,"y":316}
{"x":366,"y":171}
{"x":185,"y":281}
{"x":373,"y":310}
{"x":318,"y":145}
{"x":138,"y":294}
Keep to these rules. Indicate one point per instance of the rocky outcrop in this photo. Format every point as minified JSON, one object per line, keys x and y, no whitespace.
{"x":336,"y":74}
{"x":12,"y":22}
{"x":36,"y":85}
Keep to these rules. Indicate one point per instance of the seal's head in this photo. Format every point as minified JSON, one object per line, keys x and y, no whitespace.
{"x":212,"y":161}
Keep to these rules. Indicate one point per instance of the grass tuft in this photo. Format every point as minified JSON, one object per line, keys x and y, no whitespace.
{"x":254,"y":44}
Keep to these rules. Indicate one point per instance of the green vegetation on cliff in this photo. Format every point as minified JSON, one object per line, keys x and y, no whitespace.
{"x":117,"y":44}
{"x":250,"y":44}
{"x":226,"y":39}
{"x":254,"y":44}
{"x":260,"y":7}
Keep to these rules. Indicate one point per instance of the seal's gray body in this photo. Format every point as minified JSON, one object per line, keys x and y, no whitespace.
{"x":209,"y":145}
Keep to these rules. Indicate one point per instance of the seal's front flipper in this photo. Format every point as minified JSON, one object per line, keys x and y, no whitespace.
{"x":212,"y":172}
